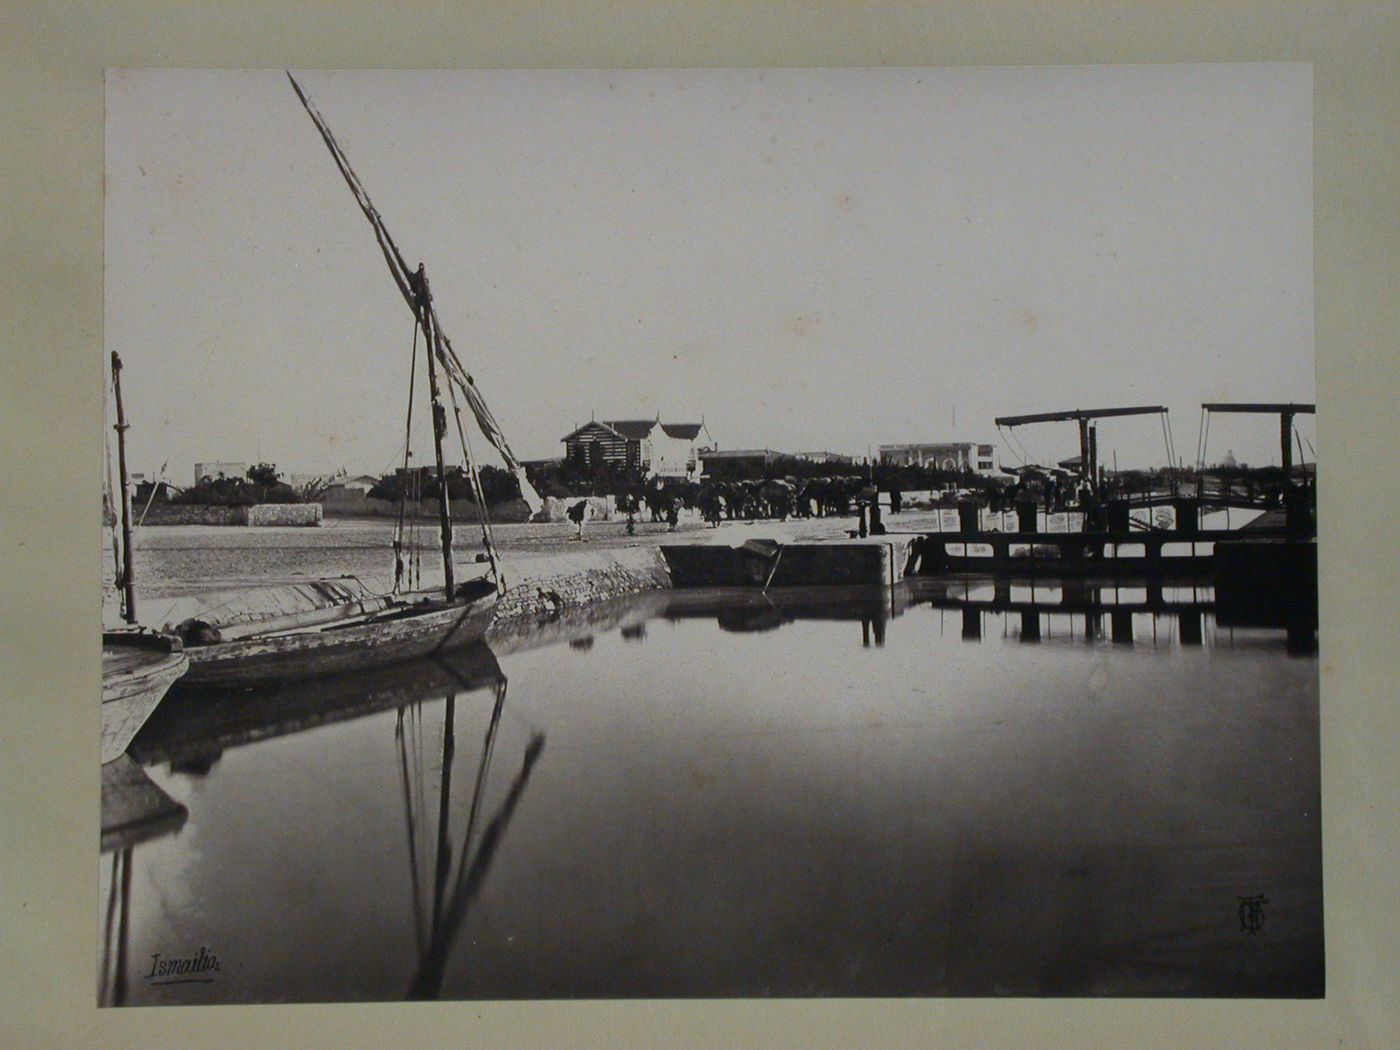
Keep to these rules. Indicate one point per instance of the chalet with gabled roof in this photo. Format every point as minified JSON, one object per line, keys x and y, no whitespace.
{"x":646,"y":445}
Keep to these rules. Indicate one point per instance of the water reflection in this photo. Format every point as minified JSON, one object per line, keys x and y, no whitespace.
{"x":977,"y":793}
{"x":447,"y":866}
{"x":452,"y":895}
{"x":116,"y":931}
{"x":134,"y":811}
{"x":1152,"y":614}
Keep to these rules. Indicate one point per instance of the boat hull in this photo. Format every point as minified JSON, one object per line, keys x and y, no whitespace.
{"x":135,"y":677}
{"x":431,"y":628}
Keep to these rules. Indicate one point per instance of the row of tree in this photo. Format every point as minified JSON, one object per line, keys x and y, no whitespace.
{"x":564,"y":478}
{"x":261,"y":484}
{"x":498,"y":485}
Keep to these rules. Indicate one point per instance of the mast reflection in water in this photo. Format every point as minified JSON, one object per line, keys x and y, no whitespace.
{"x":945,"y":788}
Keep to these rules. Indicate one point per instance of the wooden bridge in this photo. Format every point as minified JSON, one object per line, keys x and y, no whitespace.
{"x":1118,"y":553}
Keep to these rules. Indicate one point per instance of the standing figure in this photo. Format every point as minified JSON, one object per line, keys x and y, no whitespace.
{"x":578,"y":514}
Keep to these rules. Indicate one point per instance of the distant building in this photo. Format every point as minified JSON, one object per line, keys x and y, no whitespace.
{"x":647,"y":445}
{"x":952,"y":456}
{"x":359,"y":483}
{"x":347,"y":494}
{"x":145,"y":489}
{"x":306,"y":481}
{"x":825,"y":457}
{"x":218,"y":469}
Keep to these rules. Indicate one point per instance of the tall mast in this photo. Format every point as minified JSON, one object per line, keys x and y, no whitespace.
{"x":424,"y":300}
{"x":128,"y":576}
{"x":440,"y":353}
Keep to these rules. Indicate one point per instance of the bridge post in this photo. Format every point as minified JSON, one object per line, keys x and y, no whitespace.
{"x":1030,"y":625}
{"x":971,"y":624}
{"x":1121,"y":625}
{"x":1188,"y":515}
{"x":1190,"y":627}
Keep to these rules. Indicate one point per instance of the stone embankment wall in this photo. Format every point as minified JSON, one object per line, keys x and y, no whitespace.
{"x":306,"y":514}
{"x":555,"y":582}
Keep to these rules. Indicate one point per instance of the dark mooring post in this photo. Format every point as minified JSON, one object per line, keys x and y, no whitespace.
{"x":1030,"y":625}
{"x":1094,"y":457}
{"x":1285,"y":436}
{"x":1084,"y":470}
{"x":1121,"y":626}
{"x":1190,"y":621}
{"x":971,"y":624}
{"x":1093,"y":625}
{"x":425,"y":321}
{"x":128,"y":580}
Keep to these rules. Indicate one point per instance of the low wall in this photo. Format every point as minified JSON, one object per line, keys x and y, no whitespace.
{"x":194,"y":514}
{"x":302,"y":514}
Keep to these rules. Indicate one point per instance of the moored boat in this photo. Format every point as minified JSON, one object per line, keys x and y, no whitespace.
{"x":334,"y":639}
{"x":138,"y":668}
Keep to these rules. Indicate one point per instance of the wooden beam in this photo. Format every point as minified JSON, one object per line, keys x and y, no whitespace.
{"x":1260,"y":407}
{"x":1078,"y":413}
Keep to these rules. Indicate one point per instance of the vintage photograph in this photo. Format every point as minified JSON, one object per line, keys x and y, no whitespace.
{"x":667,"y":534}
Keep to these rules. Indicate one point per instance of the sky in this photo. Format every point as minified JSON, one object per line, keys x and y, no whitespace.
{"x":806,"y":259}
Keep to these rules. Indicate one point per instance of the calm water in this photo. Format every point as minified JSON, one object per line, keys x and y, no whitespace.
{"x":711,"y":794}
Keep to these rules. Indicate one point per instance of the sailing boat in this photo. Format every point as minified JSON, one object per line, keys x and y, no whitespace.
{"x":328,"y":627}
{"x":138,"y":665}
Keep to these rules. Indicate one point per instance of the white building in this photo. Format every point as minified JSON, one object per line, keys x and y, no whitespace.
{"x":948,"y":455}
{"x":648,"y":445}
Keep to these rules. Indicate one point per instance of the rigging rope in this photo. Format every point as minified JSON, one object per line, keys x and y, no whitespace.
{"x":406,"y":785}
{"x":404,"y":480}
{"x":1011,"y":437}
{"x":1171,"y":457}
{"x":1200,"y":434}
{"x":487,"y":537}
{"x":488,"y":749}
{"x":109,"y":489}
